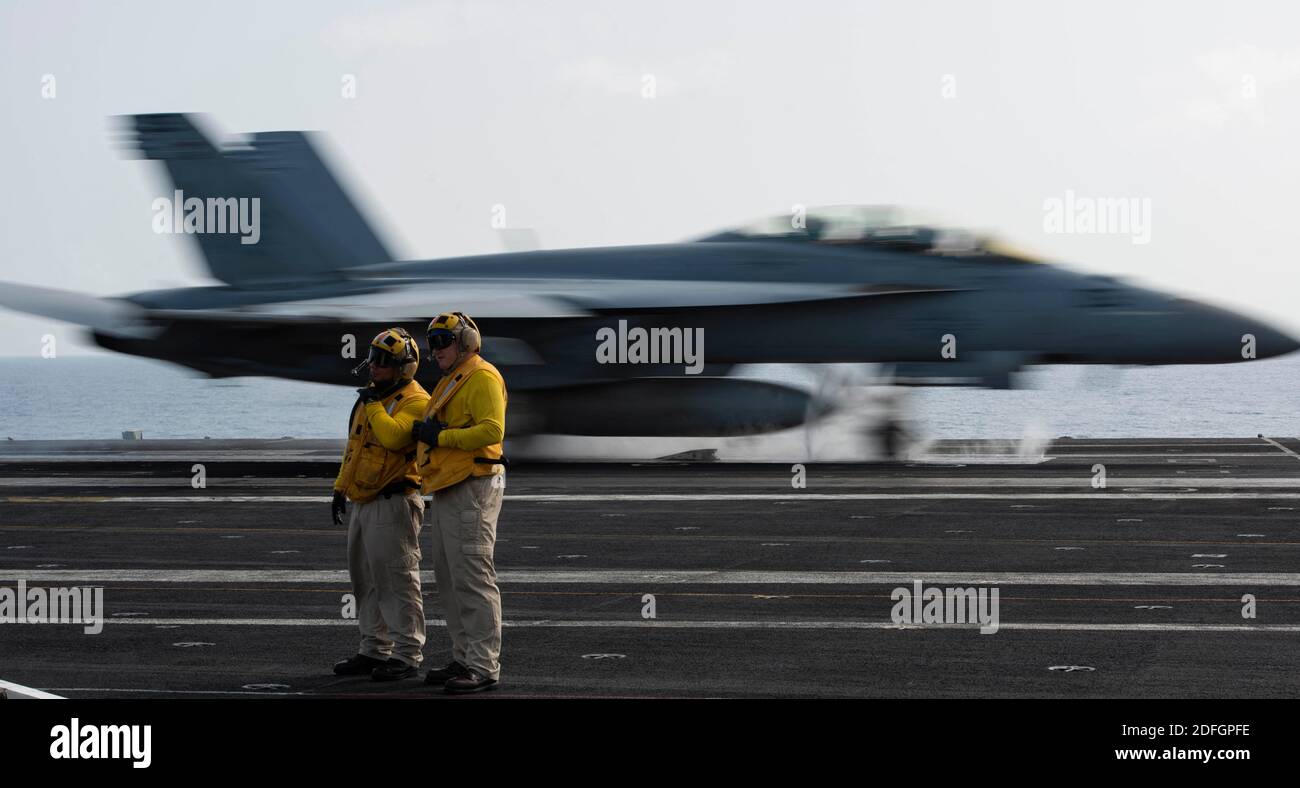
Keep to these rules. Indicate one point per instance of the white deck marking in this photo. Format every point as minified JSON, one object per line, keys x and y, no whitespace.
{"x":1280,"y":446}
{"x":18,"y":691}
{"x":175,"y":692}
{"x":659,"y":623}
{"x":725,"y":497}
{"x":1153,"y":456}
{"x":673,"y":577}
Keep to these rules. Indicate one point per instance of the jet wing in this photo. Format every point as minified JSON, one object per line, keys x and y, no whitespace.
{"x":188,"y":335}
{"x":570,"y":298}
{"x":488,"y":298}
{"x":113,"y":316}
{"x":394,"y":305}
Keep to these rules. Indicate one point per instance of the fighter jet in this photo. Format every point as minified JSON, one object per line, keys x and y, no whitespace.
{"x":626,"y":340}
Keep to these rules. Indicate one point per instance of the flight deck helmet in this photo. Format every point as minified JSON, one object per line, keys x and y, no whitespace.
{"x":454,"y":328}
{"x":395,"y":347}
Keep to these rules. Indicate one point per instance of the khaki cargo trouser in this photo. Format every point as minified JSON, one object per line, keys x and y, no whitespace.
{"x":463,"y":518}
{"x":384,"y":565}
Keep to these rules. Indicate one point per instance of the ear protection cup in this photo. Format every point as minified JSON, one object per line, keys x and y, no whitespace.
{"x":412,"y":359}
{"x":470,"y":339}
{"x":463,"y":329}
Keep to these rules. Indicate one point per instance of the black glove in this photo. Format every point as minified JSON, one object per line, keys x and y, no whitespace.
{"x":368,"y":394}
{"x":427,"y":431}
{"x":338,"y":507}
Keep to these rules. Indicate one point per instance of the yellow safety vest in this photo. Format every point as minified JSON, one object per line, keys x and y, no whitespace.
{"x":368,"y":466}
{"x":443,"y":466}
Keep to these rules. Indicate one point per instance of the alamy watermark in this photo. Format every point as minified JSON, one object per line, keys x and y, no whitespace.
{"x":657,"y":345}
{"x":1075,"y":215}
{"x":920,"y":605}
{"x":222,"y":215}
{"x":75,"y":605}
{"x":92,"y":742}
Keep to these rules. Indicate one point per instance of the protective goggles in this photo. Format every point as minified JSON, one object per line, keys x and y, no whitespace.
{"x":440,"y":338}
{"x":381,"y":358}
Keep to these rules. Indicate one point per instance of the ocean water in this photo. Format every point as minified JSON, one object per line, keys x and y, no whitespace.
{"x":1211,"y":400}
{"x":98,"y":397}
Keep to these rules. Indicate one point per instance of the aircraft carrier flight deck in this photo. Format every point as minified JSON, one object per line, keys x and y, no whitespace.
{"x":684,"y":578}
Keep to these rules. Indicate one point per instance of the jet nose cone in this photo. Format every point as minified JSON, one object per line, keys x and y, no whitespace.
{"x":1282,"y":343}
{"x":1249,"y":337}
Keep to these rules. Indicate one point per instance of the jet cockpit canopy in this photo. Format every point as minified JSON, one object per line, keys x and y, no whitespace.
{"x":877,"y":225}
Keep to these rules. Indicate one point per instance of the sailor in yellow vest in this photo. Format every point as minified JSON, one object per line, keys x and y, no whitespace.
{"x":461,"y":465}
{"x":378,"y":476}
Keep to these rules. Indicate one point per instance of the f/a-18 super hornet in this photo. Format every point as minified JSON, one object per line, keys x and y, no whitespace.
{"x":626,"y":340}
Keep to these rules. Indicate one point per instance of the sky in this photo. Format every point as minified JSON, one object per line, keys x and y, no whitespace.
{"x":605,"y":123}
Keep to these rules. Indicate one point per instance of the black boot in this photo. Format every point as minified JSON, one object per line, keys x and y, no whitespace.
{"x":393,"y":670}
{"x":473,"y":681}
{"x":357,"y":665}
{"x":439,"y":677}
